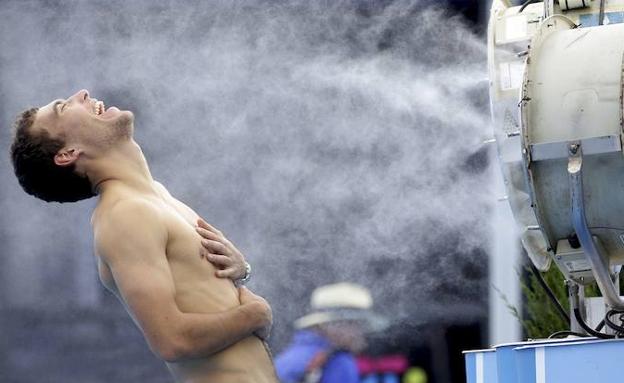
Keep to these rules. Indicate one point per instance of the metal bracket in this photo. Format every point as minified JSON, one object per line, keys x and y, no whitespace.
{"x":576,"y":297}
{"x":591,"y":145}
{"x":599,"y":263}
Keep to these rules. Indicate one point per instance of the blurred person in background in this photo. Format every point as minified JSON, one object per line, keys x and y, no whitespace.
{"x":153,"y":252}
{"x":323,"y":347}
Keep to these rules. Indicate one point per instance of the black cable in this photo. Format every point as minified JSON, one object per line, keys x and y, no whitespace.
{"x":589,"y":330}
{"x":526,"y":4}
{"x":564,"y":315}
{"x":600,"y":325}
{"x":567,"y":332}
{"x":612,"y":325}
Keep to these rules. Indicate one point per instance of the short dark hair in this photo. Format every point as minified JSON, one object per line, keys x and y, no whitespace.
{"x":33,"y":154}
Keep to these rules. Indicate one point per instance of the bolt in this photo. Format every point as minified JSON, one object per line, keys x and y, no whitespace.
{"x":574,"y":148}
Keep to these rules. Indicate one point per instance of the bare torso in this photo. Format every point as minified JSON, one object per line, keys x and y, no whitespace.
{"x":198,"y":290}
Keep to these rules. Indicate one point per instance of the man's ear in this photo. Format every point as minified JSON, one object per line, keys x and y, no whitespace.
{"x":66,"y":156}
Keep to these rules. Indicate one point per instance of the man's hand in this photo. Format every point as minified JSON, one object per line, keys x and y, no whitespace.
{"x":221,"y":252}
{"x":261,"y":308}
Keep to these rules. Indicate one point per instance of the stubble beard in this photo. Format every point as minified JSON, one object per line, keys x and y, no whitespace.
{"x":120,"y":130}
{"x":124,"y":127}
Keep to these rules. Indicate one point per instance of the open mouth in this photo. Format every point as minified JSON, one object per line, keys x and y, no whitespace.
{"x":98,"y":107}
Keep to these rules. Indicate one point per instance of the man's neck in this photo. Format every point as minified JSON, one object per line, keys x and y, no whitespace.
{"x":126,"y":165}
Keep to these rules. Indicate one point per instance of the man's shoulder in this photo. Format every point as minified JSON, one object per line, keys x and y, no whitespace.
{"x":125,"y":208}
{"x":121,"y":201}
{"x":127,"y":216}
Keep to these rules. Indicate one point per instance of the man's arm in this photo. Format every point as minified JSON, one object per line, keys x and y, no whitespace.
{"x":131,"y":240}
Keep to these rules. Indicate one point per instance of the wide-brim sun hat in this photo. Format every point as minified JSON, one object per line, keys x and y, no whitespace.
{"x":342,"y":302}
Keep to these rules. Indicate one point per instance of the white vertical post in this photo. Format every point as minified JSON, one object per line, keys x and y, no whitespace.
{"x":479,"y":367}
{"x":540,"y":365}
{"x":504,"y":263}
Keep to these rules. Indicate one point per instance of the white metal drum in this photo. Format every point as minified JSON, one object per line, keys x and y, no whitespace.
{"x":552,"y":84}
{"x":572,"y":91}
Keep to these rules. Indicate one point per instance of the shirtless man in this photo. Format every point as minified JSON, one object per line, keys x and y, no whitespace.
{"x":152,"y":250}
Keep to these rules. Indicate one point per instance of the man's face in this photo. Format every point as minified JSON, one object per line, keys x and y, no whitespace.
{"x":348,"y":335}
{"x":85,"y":122}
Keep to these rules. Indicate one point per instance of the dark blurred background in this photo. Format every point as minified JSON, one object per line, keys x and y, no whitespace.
{"x":331,"y":141}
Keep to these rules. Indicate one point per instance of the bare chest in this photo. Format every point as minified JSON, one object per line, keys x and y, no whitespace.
{"x":183,"y":243}
{"x":197,"y":288}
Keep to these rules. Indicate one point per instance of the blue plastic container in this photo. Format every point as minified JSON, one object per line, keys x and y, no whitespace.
{"x":506,"y":365}
{"x":575,"y":362}
{"x":481,"y":366}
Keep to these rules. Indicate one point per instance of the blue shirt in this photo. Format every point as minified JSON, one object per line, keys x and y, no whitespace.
{"x":292,"y":362}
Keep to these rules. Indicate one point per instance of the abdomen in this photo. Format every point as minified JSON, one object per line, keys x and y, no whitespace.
{"x":246,"y":361}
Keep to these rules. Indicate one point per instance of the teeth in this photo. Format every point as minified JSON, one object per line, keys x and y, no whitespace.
{"x":98,"y":107}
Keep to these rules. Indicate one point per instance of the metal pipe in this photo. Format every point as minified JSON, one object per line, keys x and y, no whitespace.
{"x":575,"y":291}
{"x":549,"y":7}
{"x":599,"y":265}
{"x":601,"y":13}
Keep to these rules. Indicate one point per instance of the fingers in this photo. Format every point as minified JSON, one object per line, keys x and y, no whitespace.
{"x":227,"y":273}
{"x":207,"y":231}
{"x":214,"y":246}
{"x":205,"y":225}
{"x":219,"y":260}
{"x":208,"y":234}
{"x":214,"y":237}
{"x":264,"y":333}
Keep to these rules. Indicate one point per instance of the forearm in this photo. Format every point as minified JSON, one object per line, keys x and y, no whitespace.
{"x":202,"y":335}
